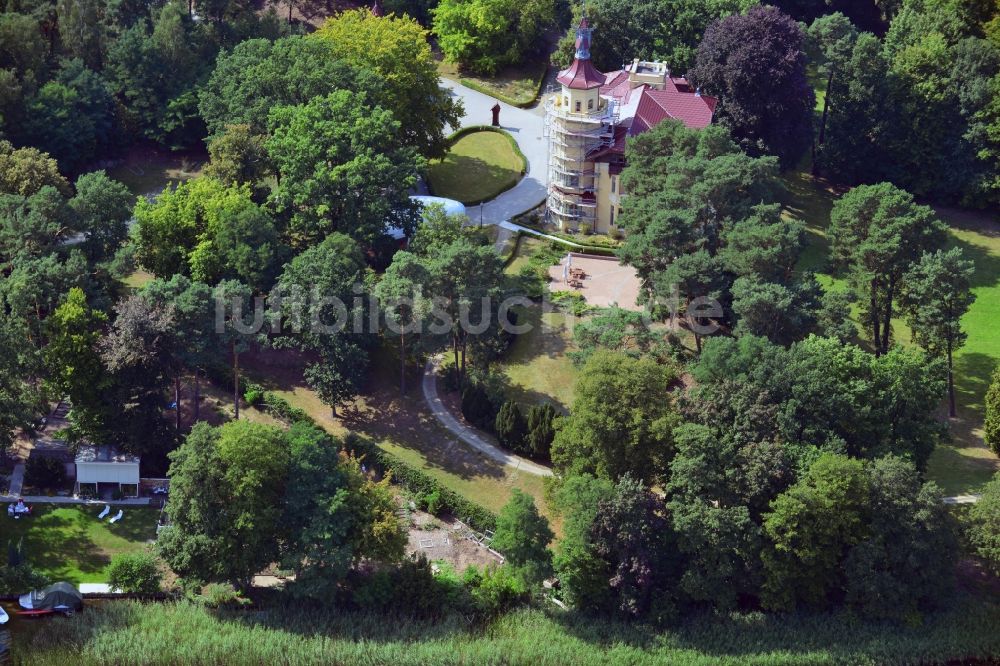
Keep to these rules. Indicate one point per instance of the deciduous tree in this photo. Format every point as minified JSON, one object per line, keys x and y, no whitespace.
{"x":631,"y":434}
{"x":755,"y":64}
{"x":395,"y":49}
{"x":523,"y":536}
{"x":341,"y":167}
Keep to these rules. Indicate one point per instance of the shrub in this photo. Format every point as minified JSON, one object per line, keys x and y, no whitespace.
{"x":477,"y":407}
{"x":19,"y":579}
{"x":410,"y":588}
{"x":134,"y":573}
{"x":217,"y":595}
{"x":498,"y":591}
{"x":984,"y":525}
{"x":254,"y":397}
{"x":44,"y":472}
{"x":991,"y":426}
{"x":572,"y":301}
{"x":433,"y":502}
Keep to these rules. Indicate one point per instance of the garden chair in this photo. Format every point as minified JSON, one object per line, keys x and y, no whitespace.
{"x":118,"y":516}
{"x":104,"y":514}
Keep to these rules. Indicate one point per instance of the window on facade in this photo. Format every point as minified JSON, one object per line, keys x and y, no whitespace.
{"x":611,"y":217}
{"x":590,"y":104}
{"x":613,"y":182}
{"x":565,"y":101}
{"x":577,"y":105}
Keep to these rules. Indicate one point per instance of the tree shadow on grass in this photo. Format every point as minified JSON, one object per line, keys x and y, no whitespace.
{"x":987,"y":263}
{"x":57,"y":543}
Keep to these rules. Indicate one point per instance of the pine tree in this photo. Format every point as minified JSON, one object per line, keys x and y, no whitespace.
{"x":510,"y":427}
{"x":540,"y":429}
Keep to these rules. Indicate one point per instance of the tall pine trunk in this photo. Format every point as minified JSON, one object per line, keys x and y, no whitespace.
{"x":875,"y":318}
{"x":236,"y":381}
{"x":952,"y":412}
{"x":826,"y":108}
{"x":887,"y":323}
{"x":402,"y":363}
{"x":197,"y":393}
{"x":177,"y":401}
{"x":458,"y":372}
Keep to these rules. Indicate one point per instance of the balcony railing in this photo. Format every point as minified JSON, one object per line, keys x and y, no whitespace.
{"x":601,"y":114}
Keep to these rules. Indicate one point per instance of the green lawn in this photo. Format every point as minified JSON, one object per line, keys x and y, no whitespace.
{"x":145,"y":171}
{"x":518,"y":85}
{"x":479,"y":166}
{"x":537,"y":364}
{"x":965,"y":464}
{"x":68,"y":542}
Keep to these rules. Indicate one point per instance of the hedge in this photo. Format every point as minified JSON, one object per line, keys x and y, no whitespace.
{"x":455,"y":136}
{"x":420,"y":483}
{"x":414,"y":480}
{"x":513,"y":101}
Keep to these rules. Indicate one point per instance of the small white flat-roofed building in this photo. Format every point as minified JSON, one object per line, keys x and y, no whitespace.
{"x":98,"y":467}
{"x":450,"y":207}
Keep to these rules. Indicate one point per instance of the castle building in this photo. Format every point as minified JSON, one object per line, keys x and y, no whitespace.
{"x":588,"y":122}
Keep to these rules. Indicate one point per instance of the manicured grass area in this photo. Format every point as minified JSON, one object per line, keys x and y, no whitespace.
{"x":68,"y":542}
{"x":965,"y":464}
{"x":527,"y":247}
{"x":138,"y":279}
{"x":121,"y":632}
{"x":537,"y":364}
{"x":146,"y":171}
{"x":479,"y":166}
{"x":518,"y":86}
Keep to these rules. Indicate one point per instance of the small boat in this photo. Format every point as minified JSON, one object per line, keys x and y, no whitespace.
{"x":3,"y":616}
{"x":58,"y":598}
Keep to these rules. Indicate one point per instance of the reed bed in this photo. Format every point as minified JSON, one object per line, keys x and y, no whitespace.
{"x":129,"y":632}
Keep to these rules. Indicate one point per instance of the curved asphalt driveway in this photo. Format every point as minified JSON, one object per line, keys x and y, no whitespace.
{"x":470,"y":435}
{"x":525,"y":125}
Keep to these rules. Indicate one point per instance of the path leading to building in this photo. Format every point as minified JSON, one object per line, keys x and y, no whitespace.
{"x":470,"y":435}
{"x":16,"y":480}
{"x":525,"y":125}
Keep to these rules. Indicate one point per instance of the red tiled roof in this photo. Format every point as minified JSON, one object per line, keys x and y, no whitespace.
{"x":581,"y":75}
{"x":615,"y":84}
{"x":655,"y":106}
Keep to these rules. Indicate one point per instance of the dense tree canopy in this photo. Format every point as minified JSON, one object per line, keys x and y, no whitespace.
{"x":396,"y":51}
{"x":258,"y":75}
{"x":667,"y":30}
{"x":822,"y":393}
{"x":341,"y":167}
{"x":487,"y":35}
{"x":627,"y":435}
{"x":209,"y":231}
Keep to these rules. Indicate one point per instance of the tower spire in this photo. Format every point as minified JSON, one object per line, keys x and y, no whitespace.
{"x":583,"y":33}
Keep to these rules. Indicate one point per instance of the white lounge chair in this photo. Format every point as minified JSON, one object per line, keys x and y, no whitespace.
{"x":118,"y":516}
{"x":104,"y":514}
